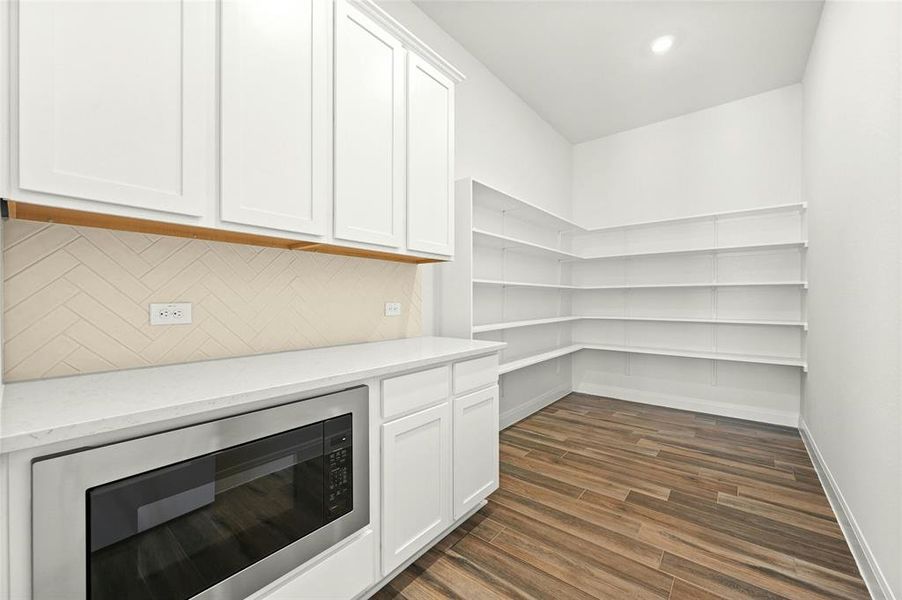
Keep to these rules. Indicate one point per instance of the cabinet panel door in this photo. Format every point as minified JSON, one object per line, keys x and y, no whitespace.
{"x":430,"y":159}
{"x":475,"y":448}
{"x":369,"y":131}
{"x":416,"y":471}
{"x":275,"y":114}
{"x":117,"y":101}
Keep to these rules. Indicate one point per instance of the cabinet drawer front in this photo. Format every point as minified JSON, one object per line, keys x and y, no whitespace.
{"x":401,"y":395}
{"x":342,"y":575}
{"x":474,"y":374}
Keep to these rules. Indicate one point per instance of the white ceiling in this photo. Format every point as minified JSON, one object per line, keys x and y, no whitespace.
{"x":586,"y":66}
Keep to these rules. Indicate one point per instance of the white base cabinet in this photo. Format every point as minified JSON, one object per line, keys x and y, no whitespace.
{"x":439,"y":452}
{"x":416,"y":480}
{"x":438,"y":462}
{"x":433,"y":459}
{"x":475,"y":418}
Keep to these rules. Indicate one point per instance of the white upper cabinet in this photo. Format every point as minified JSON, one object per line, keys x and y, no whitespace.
{"x":369,"y":131}
{"x":275,"y":114}
{"x":314,"y":120}
{"x":116,"y":102}
{"x":394,"y":135}
{"x":430,"y":159}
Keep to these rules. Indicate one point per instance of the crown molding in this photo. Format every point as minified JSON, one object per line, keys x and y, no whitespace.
{"x":410,"y":41}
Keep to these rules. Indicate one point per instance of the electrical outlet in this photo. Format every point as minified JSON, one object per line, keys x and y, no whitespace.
{"x":392,"y":309}
{"x":173,"y":313}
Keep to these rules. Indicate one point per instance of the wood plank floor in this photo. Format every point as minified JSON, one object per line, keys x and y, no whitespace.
{"x":602,"y":498}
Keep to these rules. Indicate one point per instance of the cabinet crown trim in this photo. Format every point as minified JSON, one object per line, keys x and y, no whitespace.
{"x":408,"y":39}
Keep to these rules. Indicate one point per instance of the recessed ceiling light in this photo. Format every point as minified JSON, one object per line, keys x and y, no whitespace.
{"x":662,"y":45}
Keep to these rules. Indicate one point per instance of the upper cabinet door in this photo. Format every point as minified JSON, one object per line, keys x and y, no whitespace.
{"x":430,"y":159}
{"x":369,"y":131}
{"x":117,"y":101}
{"x":275,"y":114}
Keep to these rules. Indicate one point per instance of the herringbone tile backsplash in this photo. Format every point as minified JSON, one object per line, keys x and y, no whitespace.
{"x":76,"y":299}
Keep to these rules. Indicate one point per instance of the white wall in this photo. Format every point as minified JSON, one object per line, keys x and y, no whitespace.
{"x":498,"y":137}
{"x":852,"y":183}
{"x":741,"y":154}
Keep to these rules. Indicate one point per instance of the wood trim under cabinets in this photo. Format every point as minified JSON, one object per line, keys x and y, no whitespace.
{"x":80,"y":218}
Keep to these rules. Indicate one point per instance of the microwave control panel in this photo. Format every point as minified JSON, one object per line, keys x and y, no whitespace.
{"x":339,"y":469}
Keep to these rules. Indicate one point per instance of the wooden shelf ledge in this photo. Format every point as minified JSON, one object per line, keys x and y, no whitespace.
{"x":46,"y":214}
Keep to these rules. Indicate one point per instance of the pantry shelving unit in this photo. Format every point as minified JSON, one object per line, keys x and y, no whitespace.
{"x":725,"y":287}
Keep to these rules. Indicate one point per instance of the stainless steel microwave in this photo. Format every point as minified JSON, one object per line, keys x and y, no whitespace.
{"x":211,"y":511}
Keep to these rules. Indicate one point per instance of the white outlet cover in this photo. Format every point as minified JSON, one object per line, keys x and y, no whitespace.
{"x":171,"y":313}
{"x":392,"y":309}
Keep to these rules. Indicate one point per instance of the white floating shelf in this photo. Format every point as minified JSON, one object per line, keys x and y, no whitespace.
{"x":787,"y":361}
{"x":521,"y":209}
{"x":640,"y":286}
{"x":706,"y":250}
{"x":746,"y":212}
{"x":774,"y":323}
{"x":551,"y":320}
{"x":652,"y":286}
{"x":537,"y":358}
{"x":525,"y":284}
{"x":506,"y":242}
{"x":515,"y":324}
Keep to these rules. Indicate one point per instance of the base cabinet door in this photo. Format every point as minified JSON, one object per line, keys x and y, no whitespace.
{"x":475,"y":448}
{"x":416,"y":472}
{"x":117,"y":102}
{"x":275,"y":131}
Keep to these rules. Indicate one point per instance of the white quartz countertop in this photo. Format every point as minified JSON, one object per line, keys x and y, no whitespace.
{"x":37,"y":413}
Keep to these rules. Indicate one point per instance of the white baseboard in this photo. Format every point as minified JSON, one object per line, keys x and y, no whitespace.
{"x":873,"y":577}
{"x":751,"y":413}
{"x":522,"y":411}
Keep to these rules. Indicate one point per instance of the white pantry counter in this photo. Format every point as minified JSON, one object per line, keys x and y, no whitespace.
{"x":38,"y":413}
{"x":431,"y":449}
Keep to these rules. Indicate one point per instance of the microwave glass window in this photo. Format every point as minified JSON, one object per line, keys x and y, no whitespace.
{"x":173,"y":532}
